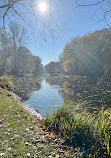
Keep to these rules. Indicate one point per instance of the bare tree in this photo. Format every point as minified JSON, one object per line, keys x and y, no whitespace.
{"x":17,"y":36}
{"x":6,"y":6}
{"x":17,"y":33}
{"x":101,"y":5}
{"x":22,"y":9}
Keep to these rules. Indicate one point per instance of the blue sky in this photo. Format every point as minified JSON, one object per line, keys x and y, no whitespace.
{"x":64,"y":21}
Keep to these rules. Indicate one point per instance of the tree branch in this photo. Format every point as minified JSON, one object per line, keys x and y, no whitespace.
{"x":86,"y":5}
{"x":105,"y":16}
{"x":3,"y":6}
{"x":9,"y":6}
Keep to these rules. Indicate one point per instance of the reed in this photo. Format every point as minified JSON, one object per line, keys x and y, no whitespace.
{"x":93,"y":130}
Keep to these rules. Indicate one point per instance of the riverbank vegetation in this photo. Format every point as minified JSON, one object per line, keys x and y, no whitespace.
{"x":90,"y":132}
{"x":6,"y":83}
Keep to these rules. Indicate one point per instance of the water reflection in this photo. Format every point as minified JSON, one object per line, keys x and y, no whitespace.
{"x":83,"y":93}
{"x":47,"y":97}
{"x":25,"y":86}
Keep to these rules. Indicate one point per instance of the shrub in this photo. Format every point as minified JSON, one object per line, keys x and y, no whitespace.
{"x":6,"y":82}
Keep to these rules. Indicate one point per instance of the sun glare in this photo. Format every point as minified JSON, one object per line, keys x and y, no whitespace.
{"x":42,"y":6}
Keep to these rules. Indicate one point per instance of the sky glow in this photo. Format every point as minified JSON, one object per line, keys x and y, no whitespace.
{"x":42,"y":6}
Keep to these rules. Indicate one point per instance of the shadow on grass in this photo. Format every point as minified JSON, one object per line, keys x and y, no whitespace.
{"x":82,"y":142}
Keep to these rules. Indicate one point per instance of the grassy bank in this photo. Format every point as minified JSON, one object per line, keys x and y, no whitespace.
{"x":14,"y":122}
{"x":91,"y":132}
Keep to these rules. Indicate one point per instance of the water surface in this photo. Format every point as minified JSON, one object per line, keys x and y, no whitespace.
{"x":83,"y":94}
{"x":48,"y":97}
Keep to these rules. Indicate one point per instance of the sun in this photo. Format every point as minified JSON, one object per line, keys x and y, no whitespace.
{"x":42,"y":6}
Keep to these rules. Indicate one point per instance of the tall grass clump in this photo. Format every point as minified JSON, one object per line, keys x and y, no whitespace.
{"x":89,"y":131}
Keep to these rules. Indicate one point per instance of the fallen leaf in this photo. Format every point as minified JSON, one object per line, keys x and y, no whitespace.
{"x":90,"y":155}
{"x":28,"y":154}
{"x":42,"y":125}
{"x":47,"y":136}
{"x":1,"y":121}
{"x":1,"y":154}
{"x":71,"y":149}
{"x":41,"y":138}
{"x":67,"y":154}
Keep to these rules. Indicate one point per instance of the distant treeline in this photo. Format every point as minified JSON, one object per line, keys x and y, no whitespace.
{"x":15,"y":58}
{"x":89,"y":55}
{"x":53,"y":68}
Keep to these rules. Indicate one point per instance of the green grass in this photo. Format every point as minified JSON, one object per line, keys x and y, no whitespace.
{"x":89,"y":131}
{"x":18,"y":135}
{"x":14,"y":121}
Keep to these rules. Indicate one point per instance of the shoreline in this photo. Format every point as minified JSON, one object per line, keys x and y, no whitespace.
{"x":27,"y":107}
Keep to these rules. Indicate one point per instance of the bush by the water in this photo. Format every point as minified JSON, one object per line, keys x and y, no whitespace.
{"x":89,"y":131}
{"x":6,"y":82}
